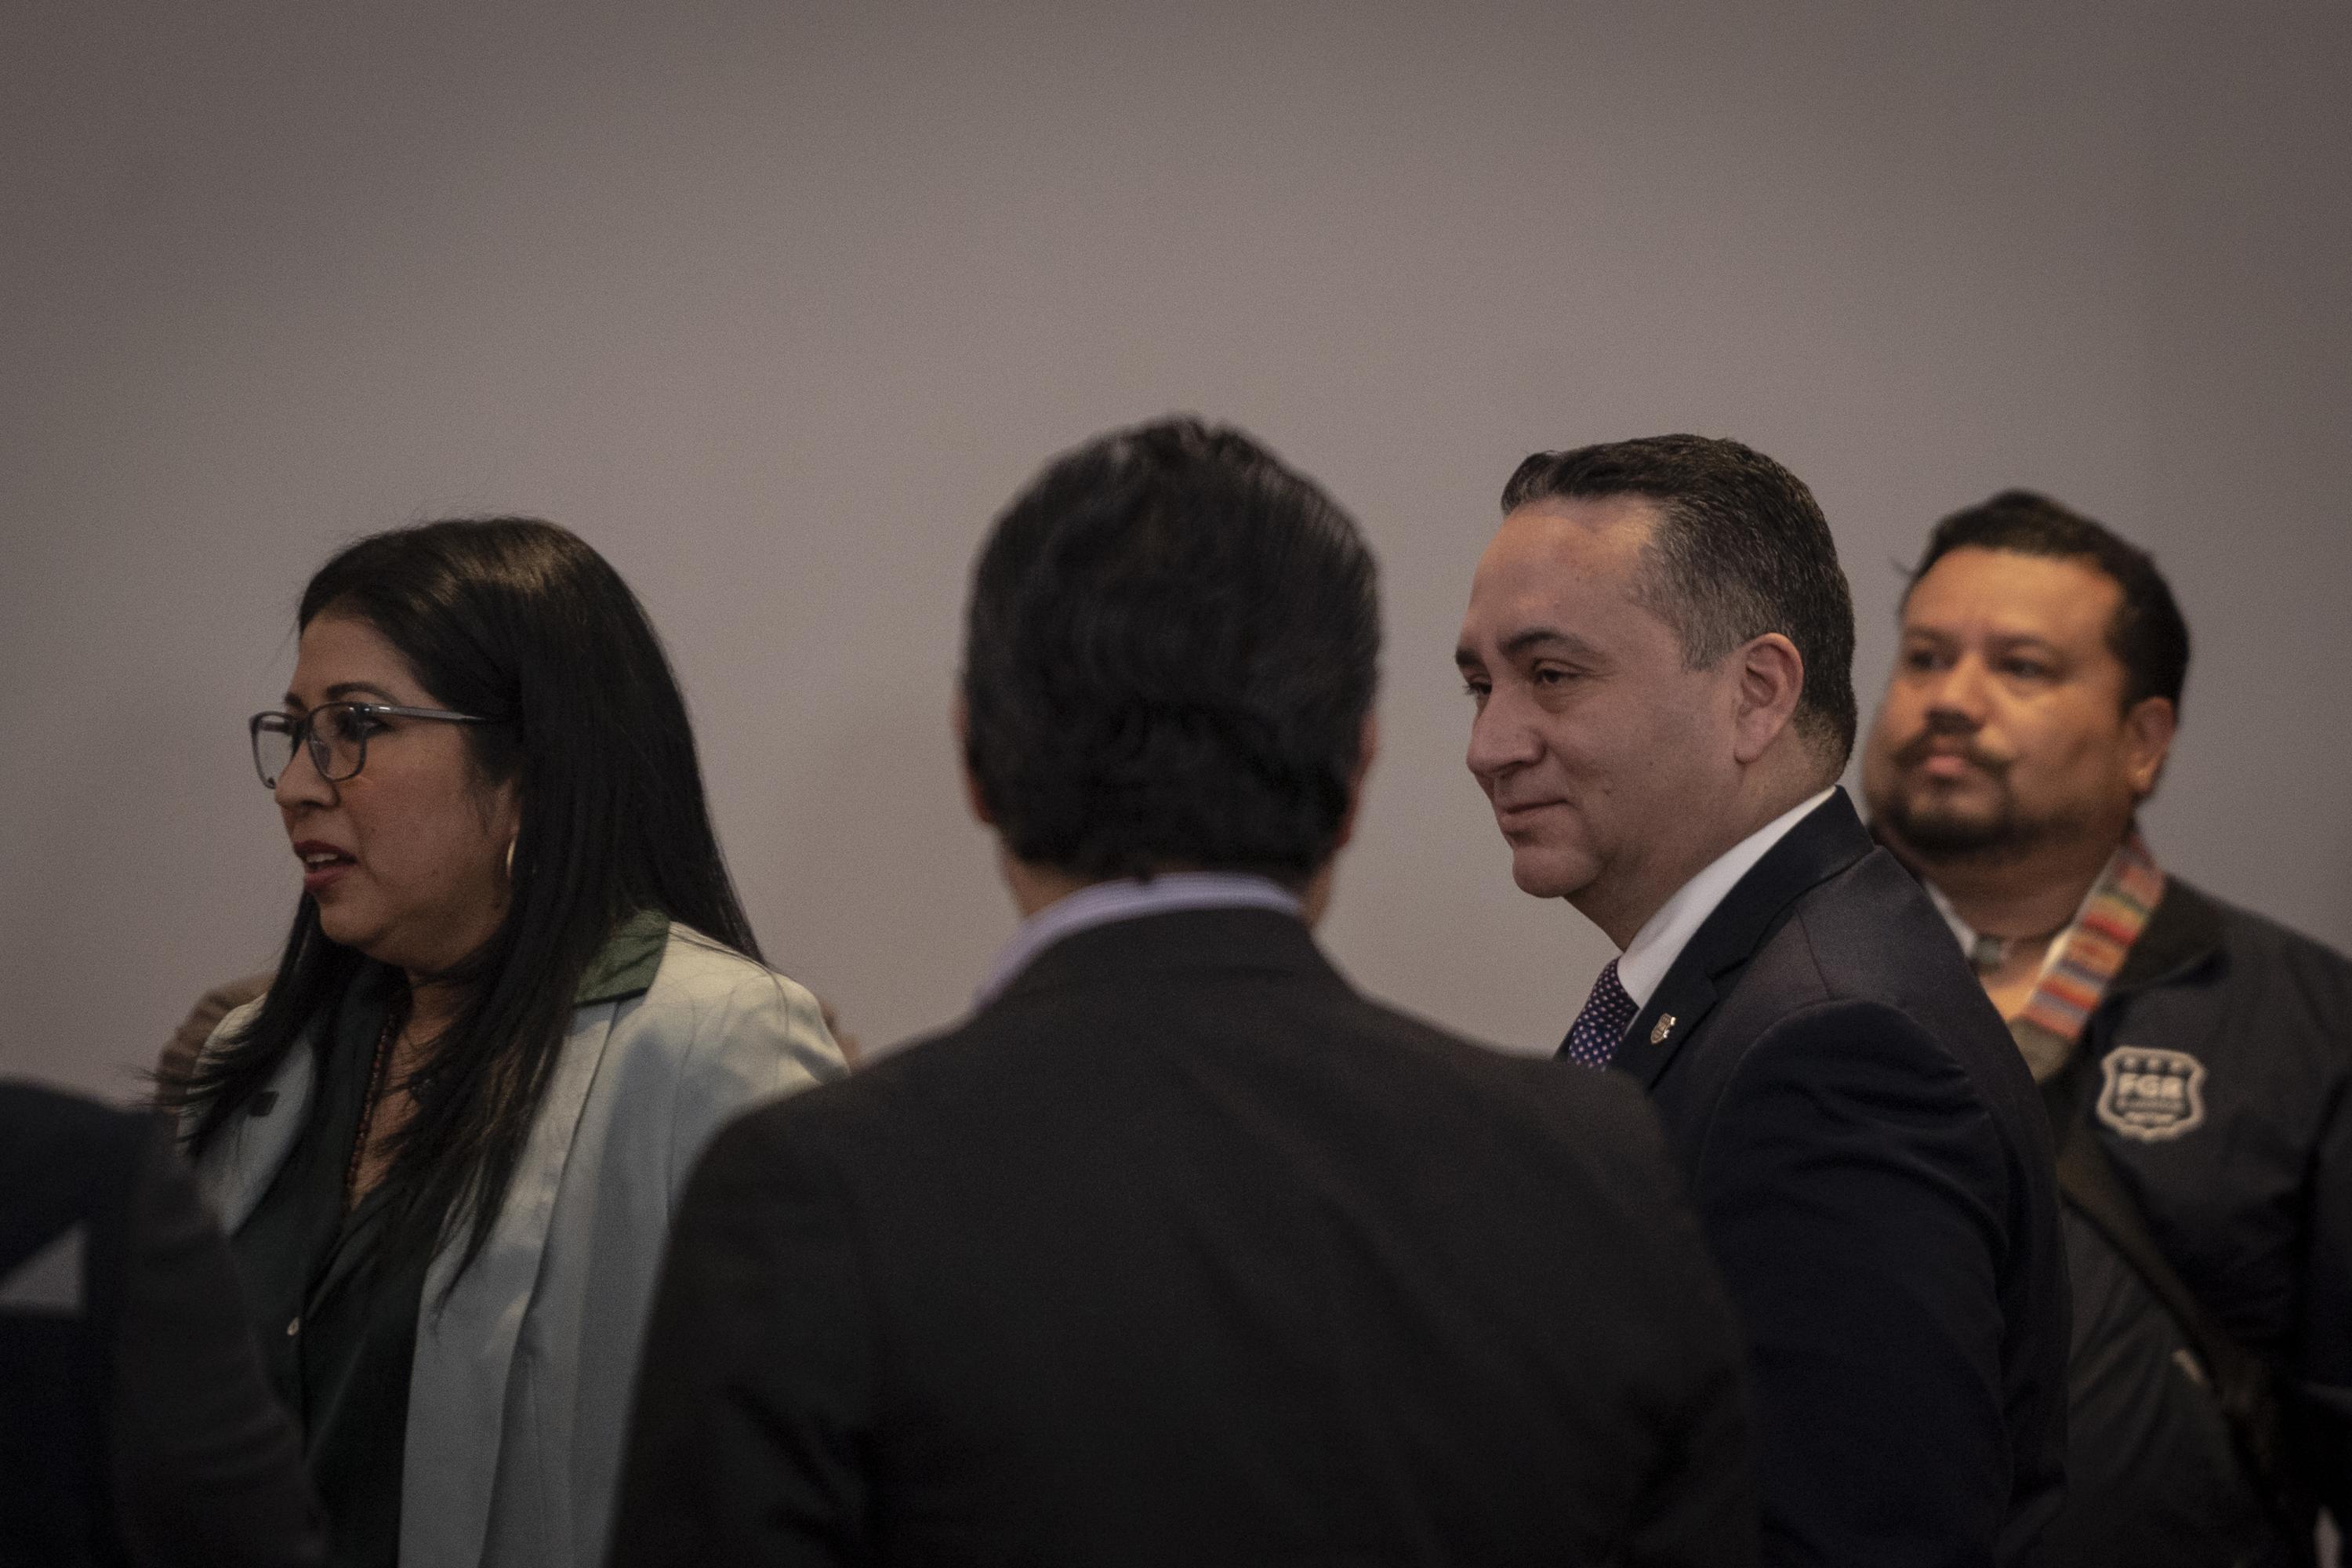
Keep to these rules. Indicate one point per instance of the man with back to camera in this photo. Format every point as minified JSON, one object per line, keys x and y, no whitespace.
{"x":1179,"y":1250}
{"x":1659,"y":645}
{"x":2197,"y":1058}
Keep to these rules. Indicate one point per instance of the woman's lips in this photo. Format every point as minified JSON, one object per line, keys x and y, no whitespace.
{"x":323,"y":865}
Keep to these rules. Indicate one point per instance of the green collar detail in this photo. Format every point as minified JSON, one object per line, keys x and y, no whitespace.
{"x":630,"y":958}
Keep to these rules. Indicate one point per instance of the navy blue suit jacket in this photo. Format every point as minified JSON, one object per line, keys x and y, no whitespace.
{"x":1872,"y":1166}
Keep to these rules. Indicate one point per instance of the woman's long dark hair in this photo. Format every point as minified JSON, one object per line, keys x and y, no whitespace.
{"x":520,"y":622}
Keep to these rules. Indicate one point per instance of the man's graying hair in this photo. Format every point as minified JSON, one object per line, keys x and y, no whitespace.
{"x":1740,"y":549}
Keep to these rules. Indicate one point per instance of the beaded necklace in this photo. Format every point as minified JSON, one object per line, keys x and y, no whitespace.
{"x":379,"y":1070}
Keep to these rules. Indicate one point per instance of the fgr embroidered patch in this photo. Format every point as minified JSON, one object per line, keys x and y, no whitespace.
{"x":2151,"y":1094}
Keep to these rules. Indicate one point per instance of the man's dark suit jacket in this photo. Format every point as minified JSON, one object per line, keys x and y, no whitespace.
{"x":1181,"y":1252}
{"x":134,"y":1424}
{"x":1871,"y":1163}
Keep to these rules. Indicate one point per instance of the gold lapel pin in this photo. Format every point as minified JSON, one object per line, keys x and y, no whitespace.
{"x":1666,"y":1027}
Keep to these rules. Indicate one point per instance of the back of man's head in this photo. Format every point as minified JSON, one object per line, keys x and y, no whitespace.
{"x":1740,"y":549}
{"x":1172,"y":651}
{"x":2148,"y":633}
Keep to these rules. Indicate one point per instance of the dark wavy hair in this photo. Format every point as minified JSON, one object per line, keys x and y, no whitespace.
{"x":1172,"y":643}
{"x":2148,"y":634}
{"x":519,"y":621}
{"x":1741,"y":549}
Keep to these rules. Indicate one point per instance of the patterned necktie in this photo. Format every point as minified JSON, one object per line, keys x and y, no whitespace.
{"x":1593,"y":1039}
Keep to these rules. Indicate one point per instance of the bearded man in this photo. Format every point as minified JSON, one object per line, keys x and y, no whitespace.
{"x":2197,"y":1058}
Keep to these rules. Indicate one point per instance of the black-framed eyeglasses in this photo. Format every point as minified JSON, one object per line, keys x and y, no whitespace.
{"x":336,"y":733}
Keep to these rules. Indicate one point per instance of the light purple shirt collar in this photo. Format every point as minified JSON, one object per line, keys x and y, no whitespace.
{"x":1105,"y":903}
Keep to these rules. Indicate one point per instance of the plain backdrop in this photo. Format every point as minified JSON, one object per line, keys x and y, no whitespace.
{"x":777,"y":304}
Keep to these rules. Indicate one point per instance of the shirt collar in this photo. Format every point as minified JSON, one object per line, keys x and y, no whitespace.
{"x":1962,"y":932}
{"x":2133,"y":848}
{"x":1126,"y":900}
{"x":628,"y":960}
{"x":1643,"y":964}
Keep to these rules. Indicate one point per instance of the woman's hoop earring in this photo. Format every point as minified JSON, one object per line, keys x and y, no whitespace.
{"x":511,"y":843}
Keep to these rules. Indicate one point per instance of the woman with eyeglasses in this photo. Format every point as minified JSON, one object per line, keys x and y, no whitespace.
{"x":519,"y":996}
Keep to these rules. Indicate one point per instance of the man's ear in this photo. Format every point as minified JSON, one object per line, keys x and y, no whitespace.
{"x":1771,"y":681}
{"x":1367,"y":749}
{"x":959,"y":720}
{"x":2148,"y":727}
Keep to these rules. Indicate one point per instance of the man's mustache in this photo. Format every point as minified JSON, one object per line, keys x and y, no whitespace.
{"x":1936,"y":740}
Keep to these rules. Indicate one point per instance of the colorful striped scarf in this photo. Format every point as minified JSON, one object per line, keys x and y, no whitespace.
{"x":2089,"y":954}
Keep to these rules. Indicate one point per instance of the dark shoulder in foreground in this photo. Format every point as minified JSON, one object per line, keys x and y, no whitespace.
{"x":1546,"y":1094}
{"x":46,"y":1133}
{"x":1032,"y":1046}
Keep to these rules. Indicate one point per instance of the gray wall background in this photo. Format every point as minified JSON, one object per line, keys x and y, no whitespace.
{"x":777,"y":304}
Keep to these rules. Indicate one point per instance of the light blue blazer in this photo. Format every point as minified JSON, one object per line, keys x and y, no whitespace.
{"x":519,"y":1396}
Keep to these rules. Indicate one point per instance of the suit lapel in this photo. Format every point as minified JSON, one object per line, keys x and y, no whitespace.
{"x":1824,"y":842}
{"x":466,"y":1343}
{"x":235,"y":1172}
{"x":240,"y":1168}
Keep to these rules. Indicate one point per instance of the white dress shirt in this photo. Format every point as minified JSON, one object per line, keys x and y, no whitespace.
{"x":1126,"y":900}
{"x":1642,"y":966}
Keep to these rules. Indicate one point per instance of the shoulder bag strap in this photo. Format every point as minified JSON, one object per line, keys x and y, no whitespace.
{"x":2242,"y":1383}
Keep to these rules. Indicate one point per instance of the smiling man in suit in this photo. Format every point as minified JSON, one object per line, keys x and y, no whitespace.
{"x":1659,"y":644}
{"x":1179,"y":1250}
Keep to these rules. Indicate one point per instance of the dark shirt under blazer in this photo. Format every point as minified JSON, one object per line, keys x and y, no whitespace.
{"x":1180,"y":1251}
{"x":1872,"y":1166}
